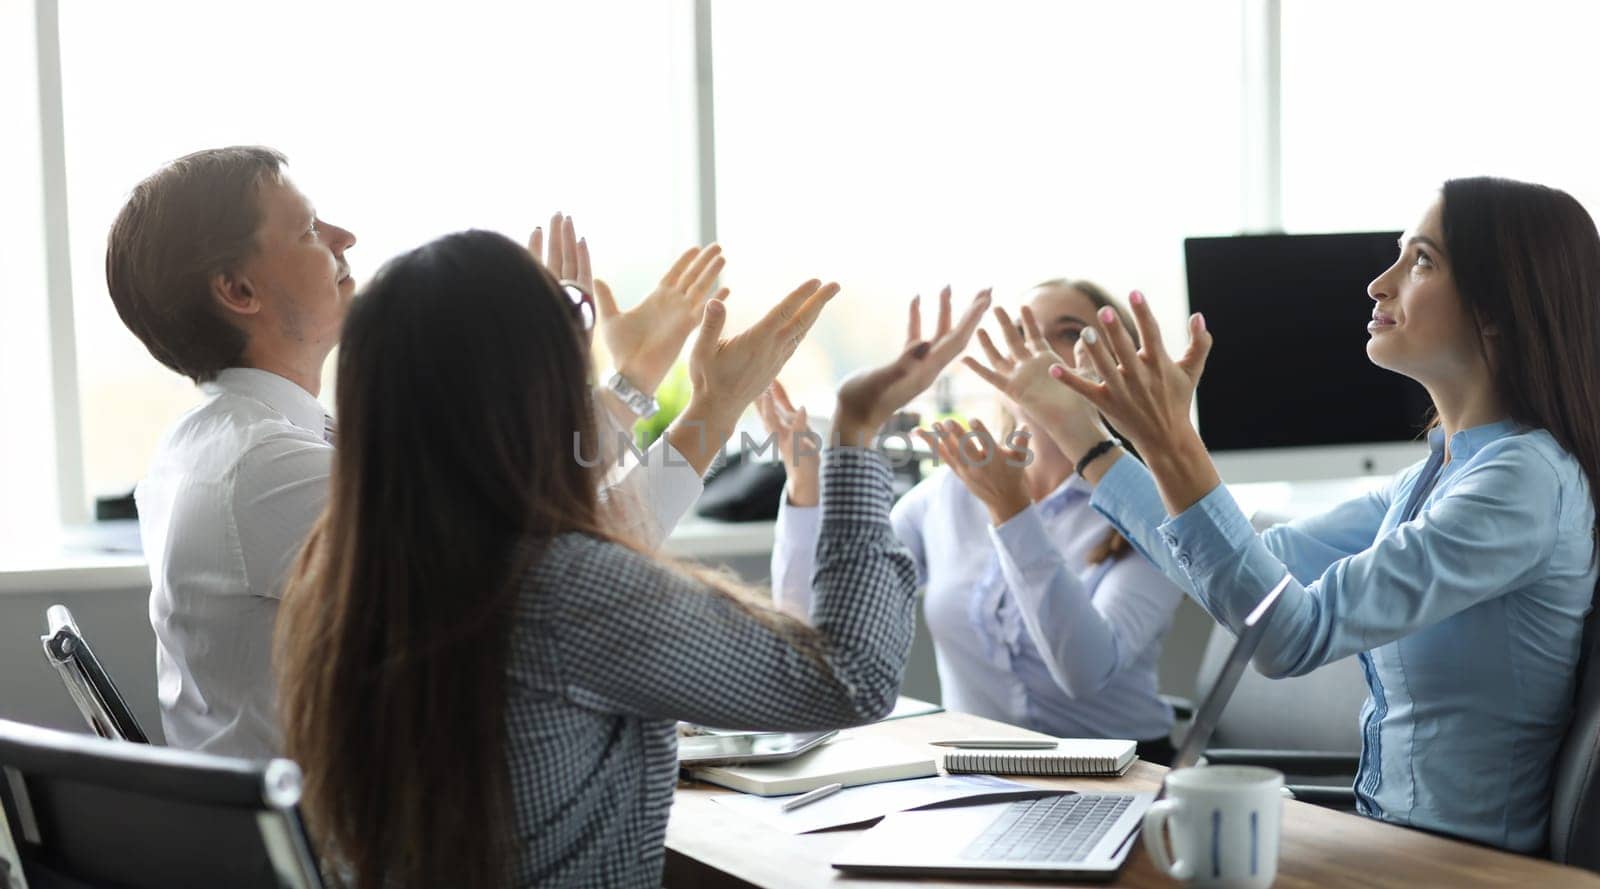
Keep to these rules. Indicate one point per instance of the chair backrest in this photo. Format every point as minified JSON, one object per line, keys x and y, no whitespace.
{"x":1320,"y":711}
{"x":1575,"y":803}
{"x":86,"y":680}
{"x":84,"y":810}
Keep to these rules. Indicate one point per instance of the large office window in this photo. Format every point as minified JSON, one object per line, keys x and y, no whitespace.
{"x":896,"y":146}
{"x":401,"y":121}
{"x":1384,"y":101}
{"x":27,"y":456}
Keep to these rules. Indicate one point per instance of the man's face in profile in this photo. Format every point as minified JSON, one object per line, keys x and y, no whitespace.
{"x":299,"y":271}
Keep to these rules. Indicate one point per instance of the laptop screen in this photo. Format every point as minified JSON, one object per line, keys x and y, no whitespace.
{"x":1205,"y":718}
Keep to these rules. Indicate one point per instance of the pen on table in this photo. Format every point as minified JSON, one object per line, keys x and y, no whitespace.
{"x":806,"y":799}
{"x":999,"y":743}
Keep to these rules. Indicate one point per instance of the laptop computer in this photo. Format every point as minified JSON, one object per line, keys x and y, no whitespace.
{"x":1077,"y":836}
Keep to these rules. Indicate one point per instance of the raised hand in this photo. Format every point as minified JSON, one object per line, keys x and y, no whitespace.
{"x":798,"y":446}
{"x":993,"y":472}
{"x":1141,"y":390}
{"x":566,"y":255}
{"x":727,"y":374}
{"x":645,"y":340}
{"x":868,"y":398}
{"x":1146,"y":395}
{"x":1022,"y":373}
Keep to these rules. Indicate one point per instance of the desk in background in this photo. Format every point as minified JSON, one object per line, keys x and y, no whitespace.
{"x":709,"y":845}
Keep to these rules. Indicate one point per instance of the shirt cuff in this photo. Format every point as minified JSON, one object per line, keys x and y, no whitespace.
{"x":1128,"y":498}
{"x":671,"y":484}
{"x":795,"y":522}
{"x":1025,"y":548}
{"x":1207,"y":534}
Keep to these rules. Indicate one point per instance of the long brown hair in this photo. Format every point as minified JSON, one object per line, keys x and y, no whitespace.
{"x":465,"y":428}
{"x":1526,"y":263}
{"x":461,"y":380}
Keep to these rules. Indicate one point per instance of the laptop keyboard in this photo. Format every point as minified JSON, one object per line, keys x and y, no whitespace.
{"x":1056,"y":828}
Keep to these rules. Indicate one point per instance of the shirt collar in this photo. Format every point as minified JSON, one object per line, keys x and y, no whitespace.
{"x":296,"y":404}
{"x":1467,"y":442}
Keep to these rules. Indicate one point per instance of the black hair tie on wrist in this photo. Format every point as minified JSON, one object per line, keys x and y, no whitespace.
{"x":1094,"y":454}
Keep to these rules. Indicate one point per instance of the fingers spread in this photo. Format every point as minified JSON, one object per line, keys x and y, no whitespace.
{"x":1118,"y":338}
{"x":697,"y":268}
{"x":1193,"y":361}
{"x":797,"y":327}
{"x":1100,"y":358}
{"x":670,"y":279}
{"x":552,"y":255}
{"x":973,"y":316}
{"x":1149,"y":331}
{"x":1093,"y":391}
{"x":1032,"y":333}
{"x":1013,"y":335}
{"x":943,"y":326}
{"x":708,"y":276}
{"x":996,"y":360}
{"x":536,"y":244}
{"x":569,"y":250}
{"x":989,"y":376}
{"x":914,"y":322}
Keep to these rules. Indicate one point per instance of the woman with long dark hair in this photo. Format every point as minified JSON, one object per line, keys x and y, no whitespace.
{"x":479,"y":678}
{"x":1464,"y":585}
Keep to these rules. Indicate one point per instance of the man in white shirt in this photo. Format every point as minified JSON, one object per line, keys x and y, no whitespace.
{"x":224,"y":270}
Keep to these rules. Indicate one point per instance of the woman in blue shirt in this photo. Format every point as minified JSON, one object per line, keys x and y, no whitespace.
{"x":1040,"y":613}
{"x":1463,"y":585}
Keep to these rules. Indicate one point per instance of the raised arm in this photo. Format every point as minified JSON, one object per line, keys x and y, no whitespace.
{"x":637,"y":637}
{"x":1085,"y":637}
{"x":796,"y":533}
{"x":1493,"y":531}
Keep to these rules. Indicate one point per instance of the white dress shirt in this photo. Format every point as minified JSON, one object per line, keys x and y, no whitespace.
{"x":231,"y":493}
{"x":1024,"y":629}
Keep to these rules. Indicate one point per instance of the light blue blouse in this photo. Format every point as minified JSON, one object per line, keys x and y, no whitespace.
{"x":1024,"y":630}
{"x":1463,"y":588}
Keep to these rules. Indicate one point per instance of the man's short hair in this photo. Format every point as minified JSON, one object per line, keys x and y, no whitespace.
{"x":191,"y":220}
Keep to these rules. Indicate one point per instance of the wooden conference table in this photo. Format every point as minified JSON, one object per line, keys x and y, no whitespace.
{"x":709,"y":845}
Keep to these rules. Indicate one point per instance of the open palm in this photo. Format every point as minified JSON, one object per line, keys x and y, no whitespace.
{"x":869,"y":397}
{"x":645,"y":340}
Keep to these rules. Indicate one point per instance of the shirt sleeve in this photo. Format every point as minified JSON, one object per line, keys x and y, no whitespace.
{"x":651,"y":496}
{"x":280,"y":488}
{"x":1128,"y":498}
{"x":795,"y":543}
{"x":1085,"y":639}
{"x":1492,"y":532}
{"x":794,"y":548}
{"x":1308,"y":546}
{"x":637,"y":637}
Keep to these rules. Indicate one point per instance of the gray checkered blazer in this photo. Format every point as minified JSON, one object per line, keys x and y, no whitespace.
{"x":610,"y":649}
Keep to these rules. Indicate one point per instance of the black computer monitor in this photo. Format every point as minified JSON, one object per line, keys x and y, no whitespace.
{"x":1288,"y":390}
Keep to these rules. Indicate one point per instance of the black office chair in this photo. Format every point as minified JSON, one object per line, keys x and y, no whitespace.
{"x":87,"y":812}
{"x":1306,"y":727}
{"x":87,"y":682}
{"x":1575,"y":804}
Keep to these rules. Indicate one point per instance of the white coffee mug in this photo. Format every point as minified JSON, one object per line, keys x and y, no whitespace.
{"x":1223,"y":825}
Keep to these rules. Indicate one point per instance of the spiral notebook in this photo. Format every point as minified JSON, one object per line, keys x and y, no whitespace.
{"x":1084,"y":757}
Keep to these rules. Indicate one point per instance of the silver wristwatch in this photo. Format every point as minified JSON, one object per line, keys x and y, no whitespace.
{"x":643,"y":406}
